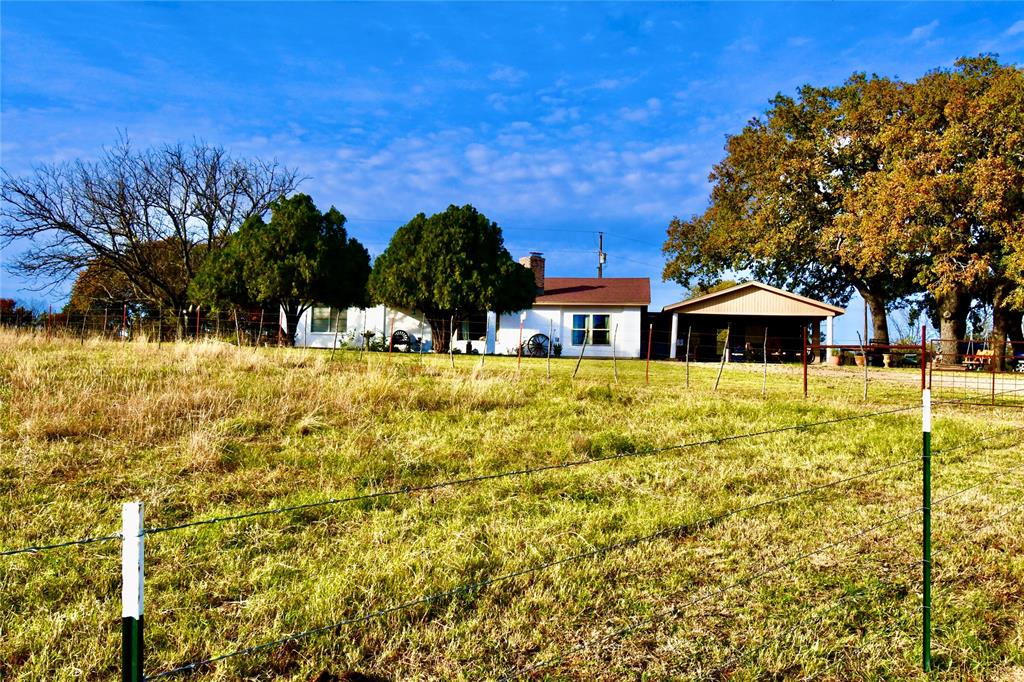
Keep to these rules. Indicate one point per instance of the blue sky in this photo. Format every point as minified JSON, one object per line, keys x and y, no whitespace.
{"x":555,"y":120}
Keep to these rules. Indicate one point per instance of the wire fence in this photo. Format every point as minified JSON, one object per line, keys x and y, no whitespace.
{"x":134,"y":531}
{"x":961,"y":368}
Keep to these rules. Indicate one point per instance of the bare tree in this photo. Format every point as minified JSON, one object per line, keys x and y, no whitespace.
{"x":150,"y":215}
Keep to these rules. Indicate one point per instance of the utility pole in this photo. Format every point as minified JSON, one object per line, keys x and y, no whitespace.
{"x":601,"y":255}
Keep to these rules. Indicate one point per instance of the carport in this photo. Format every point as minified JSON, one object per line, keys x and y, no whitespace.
{"x":758,"y":319}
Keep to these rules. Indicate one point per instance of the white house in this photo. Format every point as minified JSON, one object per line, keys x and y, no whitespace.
{"x":606,"y":310}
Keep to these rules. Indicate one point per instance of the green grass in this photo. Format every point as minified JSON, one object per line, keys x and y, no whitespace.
{"x":198,"y":431}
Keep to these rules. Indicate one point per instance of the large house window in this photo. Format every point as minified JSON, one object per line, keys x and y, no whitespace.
{"x":474,"y":327}
{"x":325,"y":319}
{"x":596,"y":326}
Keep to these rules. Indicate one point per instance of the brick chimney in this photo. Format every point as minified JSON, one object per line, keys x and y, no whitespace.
{"x":535,"y":261}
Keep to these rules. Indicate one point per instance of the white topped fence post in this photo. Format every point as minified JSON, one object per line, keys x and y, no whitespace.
{"x":132,"y":554}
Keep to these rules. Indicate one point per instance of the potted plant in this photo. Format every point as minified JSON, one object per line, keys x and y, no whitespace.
{"x":858,"y":359}
{"x":835,"y":357}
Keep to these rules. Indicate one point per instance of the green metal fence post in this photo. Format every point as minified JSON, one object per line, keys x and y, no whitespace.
{"x":131,"y":592}
{"x":926,"y":526}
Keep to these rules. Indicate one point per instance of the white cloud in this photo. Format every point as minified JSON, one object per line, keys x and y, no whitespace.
{"x":650,"y":109}
{"x":507,"y":74}
{"x":923,"y":31}
{"x":1015,"y":29}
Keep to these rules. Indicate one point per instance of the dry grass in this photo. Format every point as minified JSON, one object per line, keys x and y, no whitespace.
{"x":202,"y":430}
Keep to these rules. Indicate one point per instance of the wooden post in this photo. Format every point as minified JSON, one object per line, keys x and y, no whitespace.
{"x":259,"y":334}
{"x":586,"y":336}
{"x":864,"y":355}
{"x":764,"y":360}
{"x":238,"y":332}
{"x":647,"y":372}
{"x":519,"y":348}
{"x":725,"y":351}
{"x":992,"y":364}
{"x":615,"y":367}
{"x":85,"y":316}
{"x":124,"y":323}
{"x":689,"y":328}
{"x":391,"y":337}
{"x":199,"y":314}
{"x":421,"y":342}
{"x":551,"y":342}
{"x":451,"y":341}
{"x":334,"y":347}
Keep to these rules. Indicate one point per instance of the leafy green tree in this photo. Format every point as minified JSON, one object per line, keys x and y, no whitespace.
{"x":779,"y":195}
{"x":300,"y":258}
{"x":449,"y":266}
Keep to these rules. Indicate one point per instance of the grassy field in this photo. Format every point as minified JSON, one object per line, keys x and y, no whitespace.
{"x":205,"y":430}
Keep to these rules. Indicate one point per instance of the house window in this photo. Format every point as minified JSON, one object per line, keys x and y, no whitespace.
{"x":325,"y":319}
{"x":474,"y":327}
{"x":596,"y":326}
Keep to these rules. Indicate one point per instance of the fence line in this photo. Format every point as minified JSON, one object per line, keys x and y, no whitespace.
{"x":599,"y":551}
{"x":694,"y":525}
{"x":521,"y":472}
{"x":406,"y":490}
{"x":801,"y":615}
{"x":60,"y":545}
{"x":675,"y":610}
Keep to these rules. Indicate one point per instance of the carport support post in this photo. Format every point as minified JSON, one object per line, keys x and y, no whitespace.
{"x":673,"y":342}
{"x":926,"y":528}
{"x":131,"y":592}
{"x":650,"y":332}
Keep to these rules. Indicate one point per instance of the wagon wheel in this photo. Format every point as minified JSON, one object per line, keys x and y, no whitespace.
{"x":537,"y":345}
{"x":400,"y":337}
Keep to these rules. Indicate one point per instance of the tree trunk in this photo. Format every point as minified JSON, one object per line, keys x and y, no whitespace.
{"x":953,"y":309}
{"x":441,"y":330}
{"x":878,"y":305}
{"x":291,"y":317}
{"x":1006,"y":326}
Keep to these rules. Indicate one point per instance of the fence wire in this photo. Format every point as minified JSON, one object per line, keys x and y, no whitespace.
{"x":481,"y":584}
{"x":522,"y":472}
{"x":673,"y":611}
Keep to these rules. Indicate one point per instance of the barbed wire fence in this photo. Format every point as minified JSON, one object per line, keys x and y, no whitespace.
{"x":133,"y":534}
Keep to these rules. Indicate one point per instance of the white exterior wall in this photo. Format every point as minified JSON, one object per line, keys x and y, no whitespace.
{"x":382,"y":321}
{"x":627,"y":337}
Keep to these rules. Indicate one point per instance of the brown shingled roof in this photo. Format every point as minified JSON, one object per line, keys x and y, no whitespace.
{"x":595,"y":291}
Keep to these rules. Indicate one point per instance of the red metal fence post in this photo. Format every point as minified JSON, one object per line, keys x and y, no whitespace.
{"x":803,"y":356}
